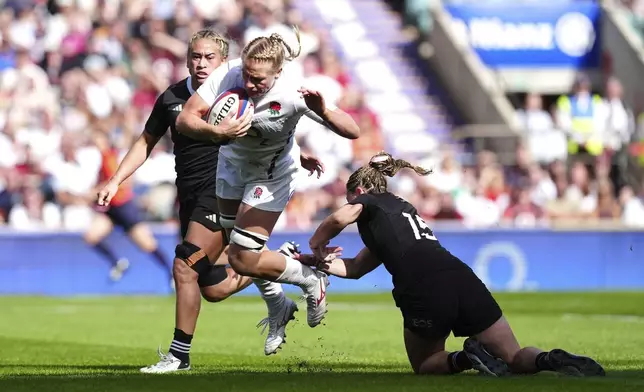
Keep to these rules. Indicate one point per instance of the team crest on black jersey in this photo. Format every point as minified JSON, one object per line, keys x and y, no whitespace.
{"x":274,"y":108}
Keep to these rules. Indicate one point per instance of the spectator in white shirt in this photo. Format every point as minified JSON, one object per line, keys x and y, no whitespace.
{"x":544,"y":142}
{"x":620,"y":122}
{"x":74,"y":173}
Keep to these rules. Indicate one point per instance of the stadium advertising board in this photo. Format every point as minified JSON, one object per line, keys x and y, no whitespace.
{"x":506,"y":260}
{"x":537,"y":35}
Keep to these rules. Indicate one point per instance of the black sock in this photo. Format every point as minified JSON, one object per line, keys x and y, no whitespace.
{"x":107,"y":253}
{"x":180,"y":346}
{"x":162,"y":260}
{"x":458,"y":361}
{"x":542,"y":363}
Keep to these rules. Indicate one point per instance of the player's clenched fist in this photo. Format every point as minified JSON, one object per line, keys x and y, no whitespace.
{"x":106,"y":194}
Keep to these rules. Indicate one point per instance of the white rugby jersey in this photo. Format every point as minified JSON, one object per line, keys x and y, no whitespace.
{"x":277,"y":113}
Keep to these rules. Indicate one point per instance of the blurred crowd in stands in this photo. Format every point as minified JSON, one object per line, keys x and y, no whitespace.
{"x":72,"y":69}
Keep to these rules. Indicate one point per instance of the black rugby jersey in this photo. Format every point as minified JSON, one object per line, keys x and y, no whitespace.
{"x":195,"y":160}
{"x":395,"y":234}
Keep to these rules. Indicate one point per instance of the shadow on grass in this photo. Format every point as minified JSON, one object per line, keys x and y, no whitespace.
{"x":304,"y":376}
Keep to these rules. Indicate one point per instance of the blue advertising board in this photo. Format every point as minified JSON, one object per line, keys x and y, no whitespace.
{"x":506,"y":260}
{"x":536,"y":35}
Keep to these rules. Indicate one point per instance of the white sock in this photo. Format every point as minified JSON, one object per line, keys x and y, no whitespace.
{"x":271,"y":292}
{"x":298,"y":274}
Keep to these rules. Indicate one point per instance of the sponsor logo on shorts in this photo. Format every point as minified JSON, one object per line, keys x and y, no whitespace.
{"x":421,"y":323}
{"x":176,"y":108}
{"x":257,"y":193}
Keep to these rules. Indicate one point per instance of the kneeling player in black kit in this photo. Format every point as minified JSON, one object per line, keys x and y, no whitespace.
{"x":436,"y":292}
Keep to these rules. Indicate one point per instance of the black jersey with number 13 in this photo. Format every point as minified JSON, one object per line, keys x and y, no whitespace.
{"x":392,"y":230}
{"x":195,"y":161}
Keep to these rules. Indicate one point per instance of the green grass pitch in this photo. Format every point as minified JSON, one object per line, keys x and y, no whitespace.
{"x":98,"y":344}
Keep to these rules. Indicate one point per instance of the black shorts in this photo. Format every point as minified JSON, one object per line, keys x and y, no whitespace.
{"x":126,"y":215}
{"x":201,"y":208}
{"x":448,"y":301}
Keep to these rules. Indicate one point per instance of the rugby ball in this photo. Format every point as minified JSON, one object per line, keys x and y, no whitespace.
{"x":235,"y":100}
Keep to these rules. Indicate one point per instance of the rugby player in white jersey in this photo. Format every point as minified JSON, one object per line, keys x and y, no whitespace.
{"x":257,"y":172}
{"x":201,"y":234}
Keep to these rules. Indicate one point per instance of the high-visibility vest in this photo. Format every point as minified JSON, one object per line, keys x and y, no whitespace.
{"x":582,"y":122}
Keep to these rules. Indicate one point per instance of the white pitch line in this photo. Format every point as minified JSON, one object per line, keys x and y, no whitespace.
{"x":605,"y":317}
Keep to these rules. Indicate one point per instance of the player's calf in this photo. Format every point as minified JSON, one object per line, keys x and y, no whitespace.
{"x":218,"y":283}
{"x":190,"y":262}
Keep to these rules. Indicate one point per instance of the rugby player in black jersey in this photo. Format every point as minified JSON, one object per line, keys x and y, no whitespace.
{"x":436,"y":292}
{"x":199,"y":263}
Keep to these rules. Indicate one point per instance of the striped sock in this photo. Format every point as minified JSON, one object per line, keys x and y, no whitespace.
{"x":180,"y":346}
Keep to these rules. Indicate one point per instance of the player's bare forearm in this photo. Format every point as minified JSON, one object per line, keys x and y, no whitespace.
{"x":190,"y":121}
{"x":351,"y":268}
{"x":341,"y":123}
{"x":336,"y":267}
{"x":334,"y":224}
{"x":328,"y":229}
{"x":135,"y":157}
{"x":193,"y":126}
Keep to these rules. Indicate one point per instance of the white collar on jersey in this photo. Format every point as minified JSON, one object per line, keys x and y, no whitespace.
{"x":189,"y":84}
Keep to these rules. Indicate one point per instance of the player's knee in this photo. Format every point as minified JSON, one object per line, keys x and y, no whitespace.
{"x":143,"y":237}
{"x":182,"y":273}
{"x":92,"y":237}
{"x":244,"y":251}
{"x":190,"y":261}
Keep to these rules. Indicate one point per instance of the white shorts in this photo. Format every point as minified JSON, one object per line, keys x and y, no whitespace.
{"x":266,"y":190}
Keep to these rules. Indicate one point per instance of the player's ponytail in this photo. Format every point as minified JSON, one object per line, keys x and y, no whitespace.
{"x":372,"y":176}
{"x":388,"y":166}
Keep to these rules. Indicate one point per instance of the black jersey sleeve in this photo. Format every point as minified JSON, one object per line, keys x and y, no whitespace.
{"x":368,"y":202}
{"x":159,"y":119}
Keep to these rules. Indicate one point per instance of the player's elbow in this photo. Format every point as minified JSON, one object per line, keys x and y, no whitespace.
{"x":183,"y":121}
{"x":353,"y":135}
{"x":353,"y":131}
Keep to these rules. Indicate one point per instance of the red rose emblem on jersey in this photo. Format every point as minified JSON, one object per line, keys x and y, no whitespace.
{"x":257,"y":193}
{"x":274,"y":108}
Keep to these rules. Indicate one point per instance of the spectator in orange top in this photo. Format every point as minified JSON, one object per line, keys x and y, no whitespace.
{"x":122,"y":212}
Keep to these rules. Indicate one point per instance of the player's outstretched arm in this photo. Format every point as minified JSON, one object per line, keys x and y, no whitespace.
{"x":335,"y":119}
{"x":347,"y":268}
{"x":332,"y":226}
{"x":135,"y":157}
{"x":353,"y":268}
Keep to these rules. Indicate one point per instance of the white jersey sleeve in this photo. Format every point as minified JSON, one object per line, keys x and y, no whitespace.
{"x":301,"y":108}
{"x":210,"y":89}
